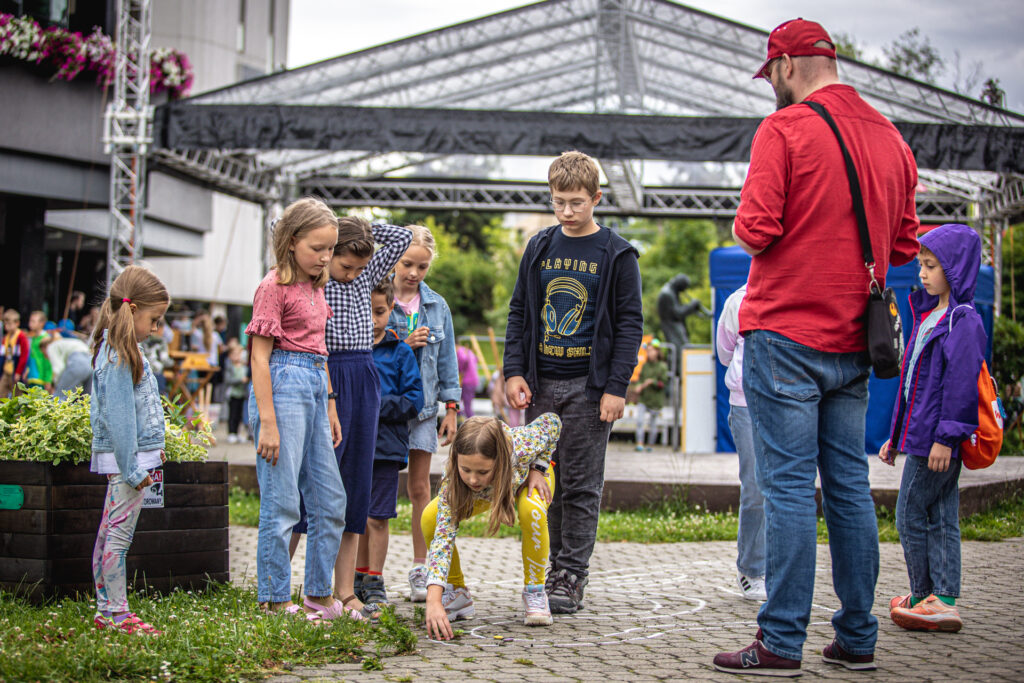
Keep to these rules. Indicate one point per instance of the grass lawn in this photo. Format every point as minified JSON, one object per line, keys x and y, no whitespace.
{"x":673,"y":521}
{"x":217,"y":634}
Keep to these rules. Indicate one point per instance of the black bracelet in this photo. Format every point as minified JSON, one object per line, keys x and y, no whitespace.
{"x":333,"y":395}
{"x":539,"y":468}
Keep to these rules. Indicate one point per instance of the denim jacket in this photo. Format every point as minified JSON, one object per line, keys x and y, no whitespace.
{"x":125,"y":418}
{"x":439,"y":368}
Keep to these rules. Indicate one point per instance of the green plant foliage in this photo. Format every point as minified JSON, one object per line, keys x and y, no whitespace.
{"x":36,"y":427}
{"x":216,"y":634}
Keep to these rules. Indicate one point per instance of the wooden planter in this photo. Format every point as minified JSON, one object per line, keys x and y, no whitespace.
{"x":46,"y":545}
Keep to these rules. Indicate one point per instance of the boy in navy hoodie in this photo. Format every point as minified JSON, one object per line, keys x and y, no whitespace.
{"x":575,"y":323}
{"x":936,"y":410}
{"x":401,"y":399}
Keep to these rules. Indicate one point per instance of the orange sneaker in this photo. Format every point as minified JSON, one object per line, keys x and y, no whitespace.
{"x":931,"y":614}
{"x":899,"y":601}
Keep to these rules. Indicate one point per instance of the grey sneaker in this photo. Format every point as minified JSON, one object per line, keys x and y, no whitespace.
{"x":458,"y":603}
{"x":373,"y":591}
{"x":418,"y":583}
{"x":565,"y":591}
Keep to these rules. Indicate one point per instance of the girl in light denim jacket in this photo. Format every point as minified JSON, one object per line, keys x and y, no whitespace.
{"x":421,"y":317}
{"x":127,"y":421}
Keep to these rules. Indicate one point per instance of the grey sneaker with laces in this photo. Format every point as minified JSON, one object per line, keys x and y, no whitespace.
{"x":565,"y":591}
{"x":418,"y":583}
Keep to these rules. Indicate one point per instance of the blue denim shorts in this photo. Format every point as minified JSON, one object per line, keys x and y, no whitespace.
{"x":423,"y":434}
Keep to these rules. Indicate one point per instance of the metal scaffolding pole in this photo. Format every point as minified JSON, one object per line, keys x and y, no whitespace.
{"x":127,"y":134}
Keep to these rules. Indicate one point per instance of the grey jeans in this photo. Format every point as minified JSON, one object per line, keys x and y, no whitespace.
{"x":579,"y":470}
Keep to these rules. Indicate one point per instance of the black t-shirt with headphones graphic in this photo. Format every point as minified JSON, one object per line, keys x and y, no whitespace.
{"x":570,"y":272}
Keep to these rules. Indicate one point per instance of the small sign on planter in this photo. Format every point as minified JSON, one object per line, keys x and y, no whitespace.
{"x":12,"y":497}
{"x":153,"y":495}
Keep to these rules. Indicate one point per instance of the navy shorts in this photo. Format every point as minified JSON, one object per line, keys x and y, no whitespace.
{"x":384,"y":492}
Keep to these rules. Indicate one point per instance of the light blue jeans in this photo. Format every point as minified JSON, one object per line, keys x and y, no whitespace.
{"x":750,"y":539}
{"x":808,"y":409}
{"x":306,"y":463}
{"x":928,"y":519}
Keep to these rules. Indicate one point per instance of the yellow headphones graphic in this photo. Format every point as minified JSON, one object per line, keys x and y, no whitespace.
{"x":570,"y":321}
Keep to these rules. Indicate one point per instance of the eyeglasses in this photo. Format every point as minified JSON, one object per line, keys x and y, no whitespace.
{"x":576,"y":205}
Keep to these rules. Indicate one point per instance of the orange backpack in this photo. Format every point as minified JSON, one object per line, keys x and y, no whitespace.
{"x":981,"y":449}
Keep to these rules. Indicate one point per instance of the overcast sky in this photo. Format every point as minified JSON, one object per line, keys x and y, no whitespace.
{"x":986,"y":31}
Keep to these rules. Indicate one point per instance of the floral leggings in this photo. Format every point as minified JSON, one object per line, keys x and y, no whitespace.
{"x":117,"y":527}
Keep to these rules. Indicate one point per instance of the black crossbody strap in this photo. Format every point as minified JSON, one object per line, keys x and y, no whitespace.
{"x":858,"y":198}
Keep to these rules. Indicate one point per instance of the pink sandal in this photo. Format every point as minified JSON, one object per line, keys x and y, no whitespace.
{"x":130,"y":623}
{"x":296,"y":610}
{"x":337,"y":609}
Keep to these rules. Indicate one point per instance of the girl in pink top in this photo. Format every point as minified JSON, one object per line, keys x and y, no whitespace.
{"x":295,"y":425}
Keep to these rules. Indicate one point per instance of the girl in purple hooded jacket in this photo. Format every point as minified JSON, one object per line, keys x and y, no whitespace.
{"x":936,"y":410}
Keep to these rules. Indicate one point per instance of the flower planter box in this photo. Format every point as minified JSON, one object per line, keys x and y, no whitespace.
{"x":46,"y":545}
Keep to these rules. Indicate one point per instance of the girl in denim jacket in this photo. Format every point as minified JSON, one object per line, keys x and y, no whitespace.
{"x":421,"y":317}
{"x":127,"y":433}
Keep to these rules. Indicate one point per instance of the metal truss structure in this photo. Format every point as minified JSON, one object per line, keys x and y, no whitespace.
{"x":127,"y":134}
{"x":583,"y":56}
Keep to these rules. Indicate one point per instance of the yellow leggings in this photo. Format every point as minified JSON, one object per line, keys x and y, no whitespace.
{"x":533,"y":522}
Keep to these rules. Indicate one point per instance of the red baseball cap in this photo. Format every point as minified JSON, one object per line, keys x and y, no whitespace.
{"x":796,"y":38}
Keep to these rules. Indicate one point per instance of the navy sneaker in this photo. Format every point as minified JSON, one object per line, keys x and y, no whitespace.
{"x":834,"y":654}
{"x":755,"y":659}
{"x":373,"y":591}
{"x":357,"y":586}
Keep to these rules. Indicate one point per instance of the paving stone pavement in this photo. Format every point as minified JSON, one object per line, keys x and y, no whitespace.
{"x":661,"y":612}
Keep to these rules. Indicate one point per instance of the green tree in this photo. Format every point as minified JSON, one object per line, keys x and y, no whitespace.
{"x":1013,"y":273}
{"x":913,"y":55}
{"x":670,"y":247}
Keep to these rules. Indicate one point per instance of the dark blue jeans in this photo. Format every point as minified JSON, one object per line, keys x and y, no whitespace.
{"x":928,"y":519}
{"x":808,"y":409}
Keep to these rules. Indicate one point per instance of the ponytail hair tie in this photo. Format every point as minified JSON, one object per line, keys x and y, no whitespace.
{"x":126,"y":300}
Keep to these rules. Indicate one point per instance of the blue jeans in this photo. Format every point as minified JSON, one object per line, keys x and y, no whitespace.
{"x":808,"y":409}
{"x":750,"y":539}
{"x":928,"y":519}
{"x":306,"y":463}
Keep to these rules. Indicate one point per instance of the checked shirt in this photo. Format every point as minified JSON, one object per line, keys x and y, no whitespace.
{"x":351,"y":326}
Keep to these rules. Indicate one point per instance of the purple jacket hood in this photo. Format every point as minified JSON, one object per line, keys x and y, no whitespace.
{"x":942,"y":406}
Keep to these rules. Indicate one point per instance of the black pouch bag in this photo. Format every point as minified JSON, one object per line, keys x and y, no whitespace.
{"x":885,"y":329}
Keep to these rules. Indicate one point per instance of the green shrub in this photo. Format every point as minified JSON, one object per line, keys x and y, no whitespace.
{"x":36,"y":427}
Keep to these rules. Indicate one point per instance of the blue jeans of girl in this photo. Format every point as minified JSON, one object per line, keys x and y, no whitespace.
{"x":306,"y":463}
{"x":928,"y":519}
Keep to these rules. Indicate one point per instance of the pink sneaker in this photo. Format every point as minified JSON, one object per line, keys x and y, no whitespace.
{"x":130,"y":623}
{"x":899,"y":601}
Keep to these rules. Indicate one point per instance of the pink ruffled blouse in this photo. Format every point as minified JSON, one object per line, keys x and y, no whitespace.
{"x":294,"y":315}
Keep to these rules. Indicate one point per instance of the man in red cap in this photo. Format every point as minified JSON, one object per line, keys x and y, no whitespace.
{"x":805,"y":363}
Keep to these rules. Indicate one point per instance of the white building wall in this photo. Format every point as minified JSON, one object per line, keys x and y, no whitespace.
{"x":231,"y":263}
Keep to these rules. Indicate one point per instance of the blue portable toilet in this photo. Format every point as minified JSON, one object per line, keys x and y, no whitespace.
{"x":729,"y":267}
